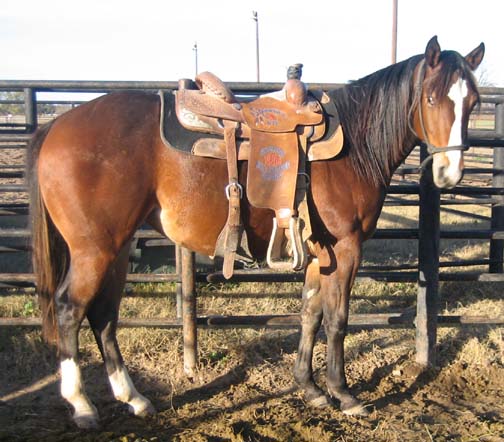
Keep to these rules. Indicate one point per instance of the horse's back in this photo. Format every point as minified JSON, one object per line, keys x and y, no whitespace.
{"x":121,"y":116}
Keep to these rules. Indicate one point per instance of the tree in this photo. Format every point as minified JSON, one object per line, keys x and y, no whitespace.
{"x":17,"y":108}
{"x":14,"y":108}
{"x":46,"y":108}
{"x":483,"y":78}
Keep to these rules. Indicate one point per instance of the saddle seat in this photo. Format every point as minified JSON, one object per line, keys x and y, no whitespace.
{"x":276,"y":133}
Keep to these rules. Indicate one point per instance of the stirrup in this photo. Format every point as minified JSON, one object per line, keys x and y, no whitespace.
{"x":299,"y":252}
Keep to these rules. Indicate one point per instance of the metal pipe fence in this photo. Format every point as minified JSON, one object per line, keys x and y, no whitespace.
{"x":428,"y":234}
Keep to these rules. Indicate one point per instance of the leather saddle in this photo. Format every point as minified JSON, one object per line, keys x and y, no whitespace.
{"x":276,"y":133}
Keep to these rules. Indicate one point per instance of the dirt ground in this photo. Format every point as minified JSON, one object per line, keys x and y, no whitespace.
{"x":244,"y":388}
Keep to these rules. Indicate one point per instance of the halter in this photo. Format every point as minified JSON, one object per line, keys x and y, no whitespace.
{"x":431,"y":149}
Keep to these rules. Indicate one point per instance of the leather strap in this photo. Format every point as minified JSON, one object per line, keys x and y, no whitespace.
{"x":302,"y":185}
{"x":234,"y":192}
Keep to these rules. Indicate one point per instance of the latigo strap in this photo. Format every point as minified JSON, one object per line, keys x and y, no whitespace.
{"x":234,"y":193}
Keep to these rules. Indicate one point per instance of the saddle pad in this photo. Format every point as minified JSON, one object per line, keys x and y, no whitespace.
{"x":272,"y":172}
{"x":331,"y":144}
{"x":172,"y":133}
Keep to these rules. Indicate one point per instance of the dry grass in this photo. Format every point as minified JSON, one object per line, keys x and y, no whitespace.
{"x":244,"y":389}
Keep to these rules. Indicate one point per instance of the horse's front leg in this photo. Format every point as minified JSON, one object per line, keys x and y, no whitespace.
{"x":311,"y":318}
{"x":336,"y":285}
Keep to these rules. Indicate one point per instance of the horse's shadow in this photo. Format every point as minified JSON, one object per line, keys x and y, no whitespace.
{"x":252,"y":354}
{"x":422,"y":376}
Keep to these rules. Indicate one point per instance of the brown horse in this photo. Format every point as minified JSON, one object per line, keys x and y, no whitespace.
{"x":98,"y":171}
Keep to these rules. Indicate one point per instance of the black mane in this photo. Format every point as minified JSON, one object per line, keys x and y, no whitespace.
{"x":375,"y":111}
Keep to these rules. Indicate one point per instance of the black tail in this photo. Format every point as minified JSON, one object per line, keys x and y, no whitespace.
{"x":49,"y":251}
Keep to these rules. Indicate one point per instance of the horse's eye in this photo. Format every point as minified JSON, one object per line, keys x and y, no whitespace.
{"x":430,"y":100}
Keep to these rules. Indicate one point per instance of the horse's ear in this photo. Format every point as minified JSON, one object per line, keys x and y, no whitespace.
{"x":432,"y":52}
{"x":475,"y":56}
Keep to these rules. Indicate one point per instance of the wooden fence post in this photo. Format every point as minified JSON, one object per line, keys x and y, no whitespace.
{"x":178,"y":285}
{"x":497,"y":223}
{"x":189,"y":312}
{"x":428,"y":268}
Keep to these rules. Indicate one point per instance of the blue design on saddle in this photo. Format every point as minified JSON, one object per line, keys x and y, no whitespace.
{"x":271,"y":163}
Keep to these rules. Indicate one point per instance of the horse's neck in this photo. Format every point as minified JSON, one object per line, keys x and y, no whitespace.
{"x":409,"y":142}
{"x":399,"y":142}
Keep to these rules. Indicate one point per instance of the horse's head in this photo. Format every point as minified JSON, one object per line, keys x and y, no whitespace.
{"x":447,"y":94}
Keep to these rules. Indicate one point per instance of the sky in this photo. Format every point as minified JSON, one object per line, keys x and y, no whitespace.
{"x":336,"y":40}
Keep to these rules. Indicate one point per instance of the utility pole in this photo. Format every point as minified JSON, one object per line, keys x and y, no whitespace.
{"x":394,"y":31}
{"x":195,"y":49}
{"x":256,"y":19}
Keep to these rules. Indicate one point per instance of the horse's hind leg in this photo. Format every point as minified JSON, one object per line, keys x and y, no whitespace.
{"x":311,"y":317}
{"x":73,"y":297}
{"x":103,"y":315}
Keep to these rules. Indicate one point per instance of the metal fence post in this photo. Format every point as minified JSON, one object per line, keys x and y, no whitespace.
{"x":30,"y":107}
{"x":497,"y":223}
{"x":428,"y":268}
{"x":189,"y":312}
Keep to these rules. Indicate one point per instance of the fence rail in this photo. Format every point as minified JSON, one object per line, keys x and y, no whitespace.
{"x":355,"y":321}
{"x":15,"y":135}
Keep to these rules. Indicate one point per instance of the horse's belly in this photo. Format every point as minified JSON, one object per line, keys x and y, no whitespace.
{"x":195,"y":223}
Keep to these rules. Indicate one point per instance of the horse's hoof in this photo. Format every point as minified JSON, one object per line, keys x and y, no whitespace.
{"x":143,"y":410}
{"x":86,"y":422}
{"x":354,"y":408}
{"x":348,"y":404}
{"x":319,"y":402}
{"x":146,"y":412}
